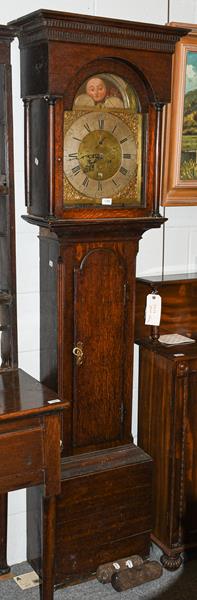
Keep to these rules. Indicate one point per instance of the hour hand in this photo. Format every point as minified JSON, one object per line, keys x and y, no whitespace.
{"x":92,"y":156}
{"x":101,"y":140}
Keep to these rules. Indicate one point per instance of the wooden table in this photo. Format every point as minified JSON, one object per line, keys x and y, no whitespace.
{"x":30,"y":435}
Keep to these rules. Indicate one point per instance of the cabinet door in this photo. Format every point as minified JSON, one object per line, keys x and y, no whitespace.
{"x":155,"y":435}
{"x":99,"y":329}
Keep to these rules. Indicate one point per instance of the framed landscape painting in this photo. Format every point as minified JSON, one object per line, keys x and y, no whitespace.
{"x":179,"y":177}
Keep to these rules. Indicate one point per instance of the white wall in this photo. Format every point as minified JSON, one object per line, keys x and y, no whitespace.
{"x":180,"y":232}
{"x":173,"y":248}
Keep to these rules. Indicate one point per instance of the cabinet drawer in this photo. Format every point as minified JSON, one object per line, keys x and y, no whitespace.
{"x":21,"y":458}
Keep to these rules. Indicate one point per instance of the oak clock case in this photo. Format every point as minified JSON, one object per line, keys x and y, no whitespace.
{"x":59,"y":62}
{"x":93,"y":92}
{"x":91,"y":155}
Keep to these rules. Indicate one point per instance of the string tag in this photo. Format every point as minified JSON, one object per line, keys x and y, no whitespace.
{"x":153,"y":309}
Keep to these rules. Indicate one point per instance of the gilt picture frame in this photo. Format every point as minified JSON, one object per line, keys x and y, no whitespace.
{"x":179,"y":177}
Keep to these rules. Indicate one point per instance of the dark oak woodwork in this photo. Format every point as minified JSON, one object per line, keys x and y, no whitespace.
{"x":167,"y":430}
{"x":30,"y":435}
{"x":87,"y":282}
{"x":86,"y":32}
{"x":107,"y":367}
{"x":58,"y":52}
{"x":8,"y":325}
{"x":110,"y":515}
{"x":179,"y":309}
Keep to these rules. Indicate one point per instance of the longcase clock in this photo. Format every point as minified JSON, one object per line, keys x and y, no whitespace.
{"x":93,"y":92}
{"x":8,"y":324}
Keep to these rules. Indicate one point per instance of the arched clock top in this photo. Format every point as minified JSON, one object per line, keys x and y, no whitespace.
{"x":105,"y":90}
{"x":118,"y":76}
{"x":56,"y":43}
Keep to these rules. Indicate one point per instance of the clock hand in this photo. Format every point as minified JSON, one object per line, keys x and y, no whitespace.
{"x":92,"y":156}
{"x":101,"y":140}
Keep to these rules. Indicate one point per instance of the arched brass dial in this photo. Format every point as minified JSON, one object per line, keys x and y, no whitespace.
{"x":100,"y":154}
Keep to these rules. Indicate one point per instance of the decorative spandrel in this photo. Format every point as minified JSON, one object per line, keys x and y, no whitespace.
{"x":103,"y":145}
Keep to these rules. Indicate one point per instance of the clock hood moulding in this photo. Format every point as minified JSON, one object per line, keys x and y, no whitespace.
{"x":60,"y":48}
{"x":71,"y":27}
{"x":6,"y":34}
{"x":117,"y":38}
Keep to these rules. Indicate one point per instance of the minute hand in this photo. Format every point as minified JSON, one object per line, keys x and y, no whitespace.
{"x":93,"y":155}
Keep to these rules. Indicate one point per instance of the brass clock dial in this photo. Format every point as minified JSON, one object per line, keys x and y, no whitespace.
{"x":100,"y":156}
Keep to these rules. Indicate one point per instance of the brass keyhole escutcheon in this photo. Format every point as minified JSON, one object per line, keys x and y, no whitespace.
{"x":78,"y":353}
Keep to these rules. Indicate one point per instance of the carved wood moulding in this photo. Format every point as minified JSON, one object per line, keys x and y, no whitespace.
{"x":58,"y":26}
{"x":6,"y":34}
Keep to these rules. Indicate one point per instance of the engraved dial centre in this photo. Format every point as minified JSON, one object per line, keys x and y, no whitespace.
{"x":99,"y":155}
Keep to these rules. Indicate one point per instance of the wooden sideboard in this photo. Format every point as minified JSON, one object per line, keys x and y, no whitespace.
{"x":168,"y":432}
{"x":167,"y":417}
{"x":179,"y":306}
{"x":30,"y":448}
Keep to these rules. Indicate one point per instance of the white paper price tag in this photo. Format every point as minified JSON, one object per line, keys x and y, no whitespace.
{"x":106,"y":201}
{"x":153,"y":309}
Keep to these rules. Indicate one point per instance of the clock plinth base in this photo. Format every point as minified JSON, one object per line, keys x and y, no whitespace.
{"x":109,"y":517}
